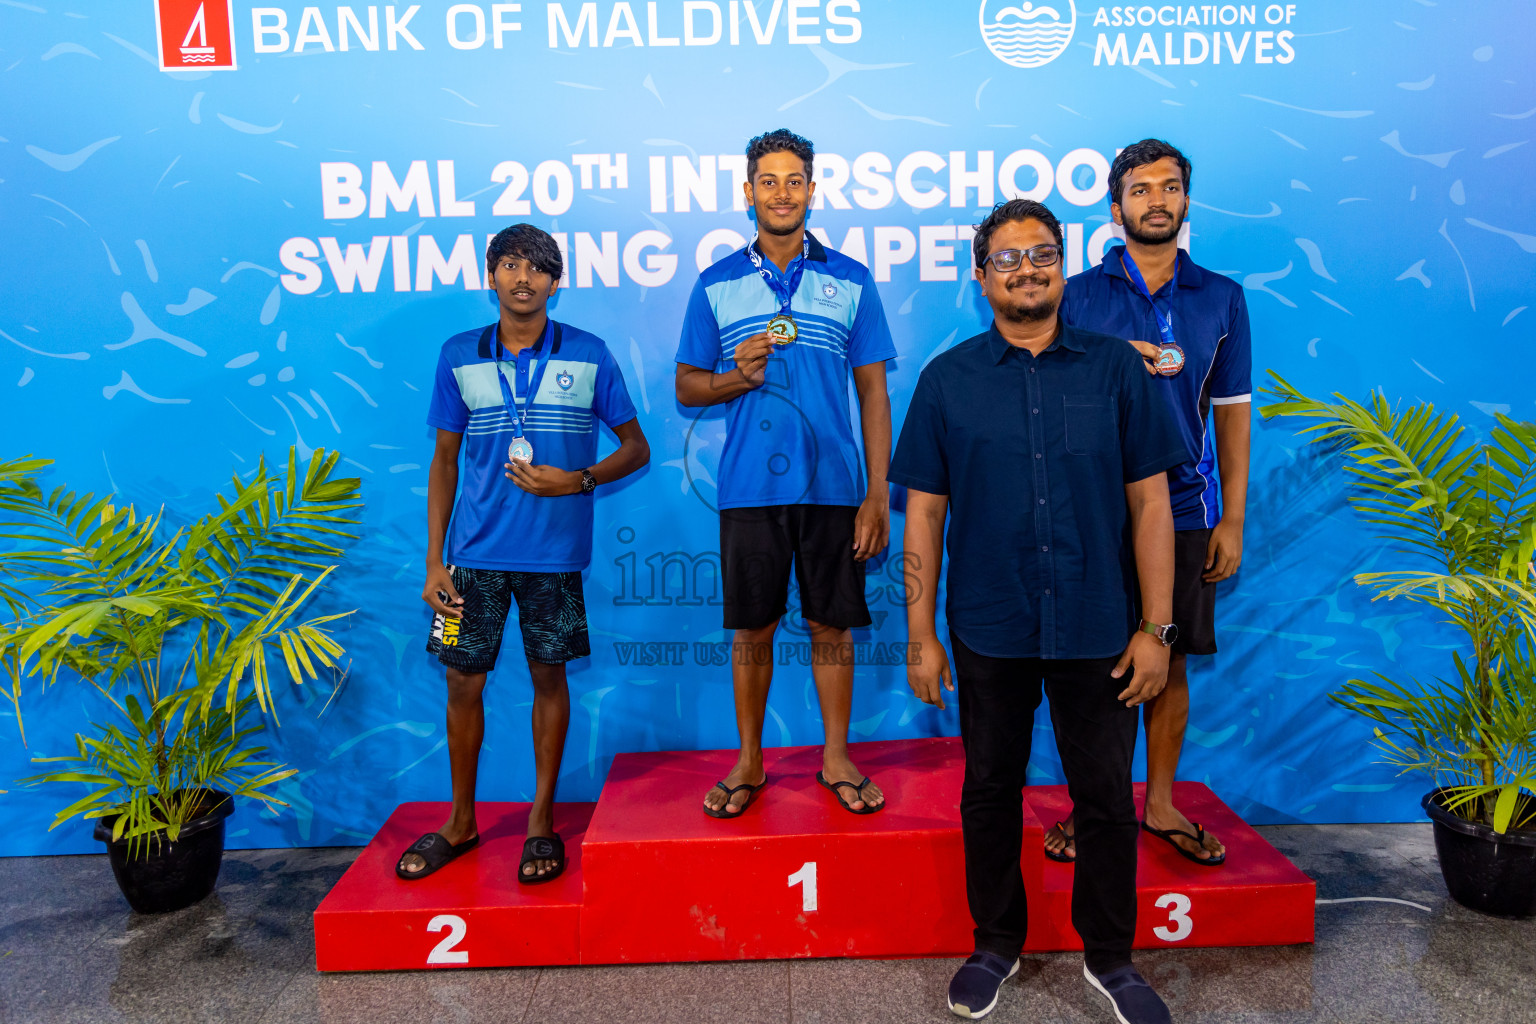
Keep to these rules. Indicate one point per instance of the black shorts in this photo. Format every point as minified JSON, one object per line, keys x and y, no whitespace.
{"x":550,"y":609}
{"x":1194,"y":600}
{"x":757,"y":548}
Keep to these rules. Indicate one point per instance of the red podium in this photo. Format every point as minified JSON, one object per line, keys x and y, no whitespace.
{"x":652,"y":879}
{"x":472,"y":913}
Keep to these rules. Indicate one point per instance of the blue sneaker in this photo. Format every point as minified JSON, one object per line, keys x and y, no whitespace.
{"x":1130,"y":996}
{"x":973,"y":990}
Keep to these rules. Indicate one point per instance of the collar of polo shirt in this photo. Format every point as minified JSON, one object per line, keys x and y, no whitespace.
{"x":1190,"y":276}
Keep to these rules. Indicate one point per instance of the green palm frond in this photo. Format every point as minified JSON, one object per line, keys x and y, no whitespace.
{"x":183,"y":632}
{"x":1465,"y":513}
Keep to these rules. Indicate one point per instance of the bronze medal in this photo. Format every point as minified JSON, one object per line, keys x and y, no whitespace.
{"x":1170,"y":361}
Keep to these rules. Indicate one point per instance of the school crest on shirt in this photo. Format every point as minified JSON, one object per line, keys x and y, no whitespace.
{"x":831,"y":300}
{"x":568,"y":383}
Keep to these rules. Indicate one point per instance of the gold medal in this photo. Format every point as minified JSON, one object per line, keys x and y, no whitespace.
{"x":782,"y":329}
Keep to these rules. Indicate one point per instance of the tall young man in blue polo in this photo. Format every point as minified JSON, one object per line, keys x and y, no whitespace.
{"x":1192,"y":327}
{"x":773,"y":331}
{"x":1046,"y":447}
{"x":521,"y":400}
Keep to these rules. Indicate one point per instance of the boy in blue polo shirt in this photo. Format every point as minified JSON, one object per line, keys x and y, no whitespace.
{"x":527,"y":393}
{"x":773,"y":331}
{"x":1191,"y":325}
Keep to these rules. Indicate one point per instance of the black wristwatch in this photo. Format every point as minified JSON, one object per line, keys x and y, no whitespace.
{"x":1166,"y":635}
{"x":588,"y":482}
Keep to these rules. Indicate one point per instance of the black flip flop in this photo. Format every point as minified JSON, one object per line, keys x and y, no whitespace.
{"x":858,"y":789}
{"x":435,"y":851}
{"x":1166,"y":835}
{"x":731,"y":791}
{"x":542,"y":848}
{"x":1062,"y":858}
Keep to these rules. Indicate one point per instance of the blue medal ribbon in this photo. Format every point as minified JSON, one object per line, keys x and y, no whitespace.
{"x":1164,"y":323}
{"x":783,"y":291}
{"x":516,"y":408}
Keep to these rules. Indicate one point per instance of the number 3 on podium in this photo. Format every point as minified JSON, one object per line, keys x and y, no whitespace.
{"x":1179,"y":923}
{"x":805,"y":878}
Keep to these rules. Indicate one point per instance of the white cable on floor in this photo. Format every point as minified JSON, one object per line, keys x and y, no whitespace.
{"x":1380,"y":899}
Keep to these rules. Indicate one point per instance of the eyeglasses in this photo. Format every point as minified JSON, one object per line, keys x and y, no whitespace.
{"x":1007,"y":260}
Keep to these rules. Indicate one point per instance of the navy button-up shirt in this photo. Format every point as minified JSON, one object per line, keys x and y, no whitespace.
{"x":1034,"y":454}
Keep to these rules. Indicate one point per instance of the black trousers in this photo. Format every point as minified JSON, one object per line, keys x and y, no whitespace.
{"x":1096,"y":736}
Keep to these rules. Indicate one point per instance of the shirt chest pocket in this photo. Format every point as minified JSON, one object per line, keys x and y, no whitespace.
{"x":1090,"y":424}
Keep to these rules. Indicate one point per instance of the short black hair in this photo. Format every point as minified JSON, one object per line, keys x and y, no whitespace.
{"x":1139,"y":154}
{"x":781,"y":140}
{"x":1005,"y":213}
{"x":531,"y":243}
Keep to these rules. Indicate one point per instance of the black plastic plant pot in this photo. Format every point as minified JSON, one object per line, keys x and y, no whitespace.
{"x":158,"y":875}
{"x":1490,"y":872}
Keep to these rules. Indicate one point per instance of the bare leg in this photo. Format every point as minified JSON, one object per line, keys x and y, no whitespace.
{"x":551,"y":717}
{"x":751,"y":675}
{"x":832,"y":667}
{"x":1166,"y":716}
{"x":466,"y":728}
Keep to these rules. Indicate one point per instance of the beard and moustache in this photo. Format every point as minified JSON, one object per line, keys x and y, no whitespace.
{"x":1041,"y":310}
{"x":781,"y":230}
{"x":1155,"y":234}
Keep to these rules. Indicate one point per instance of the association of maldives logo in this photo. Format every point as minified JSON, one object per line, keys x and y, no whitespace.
{"x":195,"y":34}
{"x":1027,"y":35}
{"x":565,"y":381}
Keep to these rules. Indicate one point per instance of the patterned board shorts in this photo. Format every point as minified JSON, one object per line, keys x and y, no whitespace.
{"x":550,"y":610}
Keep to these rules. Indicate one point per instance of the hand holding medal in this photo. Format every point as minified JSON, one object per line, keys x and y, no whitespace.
{"x":751,"y":358}
{"x":1160,"y":360}
{"x":543,"y":481}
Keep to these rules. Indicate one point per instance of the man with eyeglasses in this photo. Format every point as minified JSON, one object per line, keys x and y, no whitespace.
{"x":1047,"y":447}
{"x":1191,"y":326}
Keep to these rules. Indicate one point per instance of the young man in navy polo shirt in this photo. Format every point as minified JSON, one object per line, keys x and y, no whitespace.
{"x":527,"y":393}
{"x":773,"y":331}
{"x":1192,"y":327}
{"x":1046,"y":447}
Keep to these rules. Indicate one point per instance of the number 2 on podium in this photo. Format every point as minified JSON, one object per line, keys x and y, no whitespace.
{"x":443,"y":952}
{"x":805,"y":878}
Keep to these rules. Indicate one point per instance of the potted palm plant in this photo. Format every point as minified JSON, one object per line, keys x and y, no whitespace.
{"x":1463,"y":515}
{"x":182,"y":633}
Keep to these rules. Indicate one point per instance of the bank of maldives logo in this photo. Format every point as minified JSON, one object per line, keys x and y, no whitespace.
{"x":1026,"y":34}
{"x":195,"y":34}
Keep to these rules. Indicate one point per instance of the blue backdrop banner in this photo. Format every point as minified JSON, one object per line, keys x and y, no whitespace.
{"x":234,"y":228}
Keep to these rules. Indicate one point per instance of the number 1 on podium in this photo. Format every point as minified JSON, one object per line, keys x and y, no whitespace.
{"x":806,"y":879}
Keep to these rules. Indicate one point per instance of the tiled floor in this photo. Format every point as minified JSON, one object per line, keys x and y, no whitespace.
{"x":71,"y":952}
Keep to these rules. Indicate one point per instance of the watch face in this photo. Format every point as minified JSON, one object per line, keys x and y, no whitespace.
{"x":1170,"y":634}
